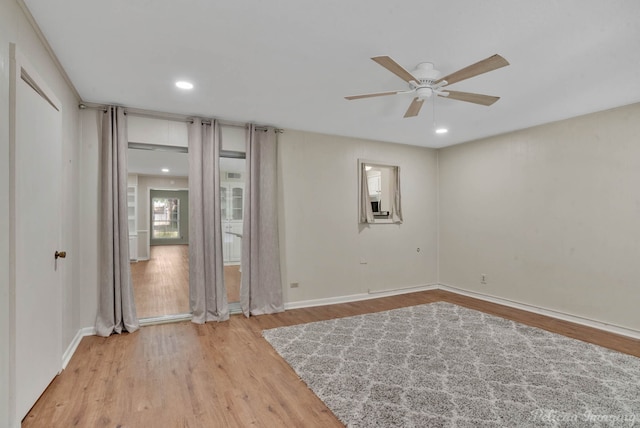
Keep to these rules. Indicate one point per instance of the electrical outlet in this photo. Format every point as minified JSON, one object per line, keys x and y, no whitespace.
{"x":483,"y":278}
{"x":294,"y":285}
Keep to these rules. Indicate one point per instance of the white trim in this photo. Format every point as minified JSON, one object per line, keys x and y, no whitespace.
{"x":235,"y":308}
{"x":358,"y":297}
{"x":401,"y":290}
{"x":608,"y":327}
{"x":24,"y":67}
{"x":71,"y":349}
{"x":588,"y":322}
{"x":164,"y":319}
{"x":143,"y":236}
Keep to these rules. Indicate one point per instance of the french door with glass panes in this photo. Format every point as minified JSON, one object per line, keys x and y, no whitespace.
{"x":169,"y":217}
{"x":232,"y":206}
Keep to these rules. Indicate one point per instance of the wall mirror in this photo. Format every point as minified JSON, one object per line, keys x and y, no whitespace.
{"x":380,"y":198}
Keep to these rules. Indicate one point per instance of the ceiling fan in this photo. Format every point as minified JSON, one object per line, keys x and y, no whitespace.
{"x":425,"y":81}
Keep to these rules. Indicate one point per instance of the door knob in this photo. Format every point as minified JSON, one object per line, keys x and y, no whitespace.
{"x":60,"y":255}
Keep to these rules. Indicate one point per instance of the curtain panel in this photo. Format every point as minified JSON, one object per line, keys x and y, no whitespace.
{"x":396,"y":206}
{"x":261,"y":284}
{"x":366,"y":211}
{"x":207,"y":295}
{"x":116,"y":307}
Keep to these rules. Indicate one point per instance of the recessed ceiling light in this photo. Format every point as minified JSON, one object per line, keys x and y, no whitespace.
{"x":442,"y":131}
{"x":184,"y":85}
{"x":165,"y":169}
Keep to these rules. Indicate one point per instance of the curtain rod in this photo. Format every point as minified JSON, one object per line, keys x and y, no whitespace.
{"x":170,"y":116}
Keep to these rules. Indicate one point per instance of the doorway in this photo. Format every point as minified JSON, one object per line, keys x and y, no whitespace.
{"x":232,"y":210}
{"x":159,"y":229}
{"x":159,"y":223}
{"x":161,"y":282}
{"x":169,"y":217}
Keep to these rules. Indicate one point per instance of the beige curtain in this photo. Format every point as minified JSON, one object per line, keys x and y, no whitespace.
{"x":207,"y":294}
{"x":366,"y":211}
{"x":396,"y":206}
{"x":261,"y":286}
{"x":116,"y":307}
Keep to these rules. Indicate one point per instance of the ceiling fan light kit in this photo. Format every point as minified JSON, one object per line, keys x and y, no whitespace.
{"x":424,"y":80}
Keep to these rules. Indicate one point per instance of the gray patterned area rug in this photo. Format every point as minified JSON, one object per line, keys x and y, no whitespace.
{"x":440,"y":364}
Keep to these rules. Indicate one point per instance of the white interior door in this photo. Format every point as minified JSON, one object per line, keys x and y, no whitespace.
{"x":37,"y":231}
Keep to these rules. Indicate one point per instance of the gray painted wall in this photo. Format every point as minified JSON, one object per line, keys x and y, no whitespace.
{"x":321,"y":239}
{"x":550,"y":214}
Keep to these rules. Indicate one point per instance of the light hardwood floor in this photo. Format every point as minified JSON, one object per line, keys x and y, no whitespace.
{"x":224,"y":374}
{"x":161,"y":284}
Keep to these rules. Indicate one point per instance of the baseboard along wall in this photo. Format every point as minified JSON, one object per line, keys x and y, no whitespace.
{"x":71,"y":349}
{"x":358,"y":297}
{"x":374,"y":294}
{"x":611,"y":328}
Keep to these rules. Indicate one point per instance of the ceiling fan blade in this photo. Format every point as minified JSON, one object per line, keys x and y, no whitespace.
{"x":414,"y":107}
{"x":378,"y":94}
{"x":489,"y":64}
{"x":485,"y":100}
{"x":395,"y":68}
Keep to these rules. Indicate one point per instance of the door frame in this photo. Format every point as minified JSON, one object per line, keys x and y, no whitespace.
{"x":183,"y":208}
{"x":148,"y":213}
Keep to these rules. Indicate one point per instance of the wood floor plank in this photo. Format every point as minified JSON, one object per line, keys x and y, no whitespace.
{"x":161,"y":284}
{"x":224,"y":374}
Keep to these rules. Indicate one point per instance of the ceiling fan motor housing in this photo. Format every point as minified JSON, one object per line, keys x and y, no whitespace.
{"x":426,"y":73}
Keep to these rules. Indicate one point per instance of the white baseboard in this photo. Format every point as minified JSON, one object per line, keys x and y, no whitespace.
{"x":71,"y":349}
{"x":164,"y":319}
{"x":611,"y":328}
{"x":358,"y":297}
{"x":374,"y":294}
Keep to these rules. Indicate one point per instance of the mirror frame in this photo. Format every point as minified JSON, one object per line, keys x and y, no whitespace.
{"x":363,"y":163}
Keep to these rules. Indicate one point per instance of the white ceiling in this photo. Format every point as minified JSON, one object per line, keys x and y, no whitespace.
{"x":289,"y":63}
{"x":151,"y":162}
